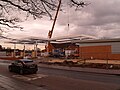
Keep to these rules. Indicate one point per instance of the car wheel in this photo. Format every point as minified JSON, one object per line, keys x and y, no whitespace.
{"x":21,"y":72}
{"x":10,"y":69}
{"x":35,"y":72}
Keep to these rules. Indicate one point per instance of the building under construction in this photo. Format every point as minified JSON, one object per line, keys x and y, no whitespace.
{"x":87,"y":48}
{"x":82,"y":46}
{"x":100,"y":49}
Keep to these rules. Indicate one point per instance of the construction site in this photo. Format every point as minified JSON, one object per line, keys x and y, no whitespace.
{"x":59,"y":45}
{"x":80,"y":50}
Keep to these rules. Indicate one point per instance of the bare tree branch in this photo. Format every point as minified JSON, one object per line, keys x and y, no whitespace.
{"x":10,"y":23}
{"x":46,"y":10}
{"x":79,"y":4}
{"x":23,"y":9}
{"x":35,"y":8}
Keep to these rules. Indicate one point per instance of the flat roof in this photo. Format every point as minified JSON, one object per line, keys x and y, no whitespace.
{"x":66,"y":39}
{"x":99,"y":40}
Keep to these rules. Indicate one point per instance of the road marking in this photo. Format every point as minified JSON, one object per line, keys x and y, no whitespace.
{"x":29,"y":77}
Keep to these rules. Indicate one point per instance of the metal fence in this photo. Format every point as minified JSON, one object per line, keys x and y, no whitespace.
{"x":98,"y":55}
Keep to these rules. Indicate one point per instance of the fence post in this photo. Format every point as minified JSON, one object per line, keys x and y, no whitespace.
{"x":107,"y":61}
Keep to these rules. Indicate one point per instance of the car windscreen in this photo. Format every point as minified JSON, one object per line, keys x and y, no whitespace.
{"x":27,"y":61}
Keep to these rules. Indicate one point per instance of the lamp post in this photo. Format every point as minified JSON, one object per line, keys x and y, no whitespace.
{"x":36,"y":49}
{"x":24,"y":51}
{"x":14,"y":55}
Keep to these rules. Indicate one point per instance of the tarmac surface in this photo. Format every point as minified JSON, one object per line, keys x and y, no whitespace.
{"x":90,"y":70}
{"x":81,"y":69}
{"x":55,"y":77}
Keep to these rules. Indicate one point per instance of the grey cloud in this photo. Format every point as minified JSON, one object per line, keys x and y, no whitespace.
{"x":104,"y":12}
{"x":101,"y":18}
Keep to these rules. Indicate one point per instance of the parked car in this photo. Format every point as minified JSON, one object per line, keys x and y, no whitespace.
{"x":23,"y":66}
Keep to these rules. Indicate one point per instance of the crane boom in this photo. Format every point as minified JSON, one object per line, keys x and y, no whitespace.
{"x":51,"y":31}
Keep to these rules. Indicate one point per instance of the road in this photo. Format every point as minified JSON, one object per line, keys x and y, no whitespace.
{"x":55,"y":79}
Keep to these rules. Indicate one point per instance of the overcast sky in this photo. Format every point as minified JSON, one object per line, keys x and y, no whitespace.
{"x":101,"y":19}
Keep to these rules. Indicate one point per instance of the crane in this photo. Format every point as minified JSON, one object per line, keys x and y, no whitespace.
{"x":51,"y":31}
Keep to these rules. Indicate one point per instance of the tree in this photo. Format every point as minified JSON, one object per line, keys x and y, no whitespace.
{"x":35,"y":8}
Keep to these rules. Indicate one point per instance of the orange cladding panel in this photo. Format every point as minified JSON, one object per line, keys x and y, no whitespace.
{"x":97,"y":52}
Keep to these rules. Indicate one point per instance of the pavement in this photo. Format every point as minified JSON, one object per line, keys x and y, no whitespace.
{"x":80,"y":69}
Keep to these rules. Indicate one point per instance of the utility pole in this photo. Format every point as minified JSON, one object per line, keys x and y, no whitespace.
{"x":24,"y":51}
{"x":36,"y":49}
{"x":14,"y":55}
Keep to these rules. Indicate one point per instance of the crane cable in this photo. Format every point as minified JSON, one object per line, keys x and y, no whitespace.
{"x":68,"y":12}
